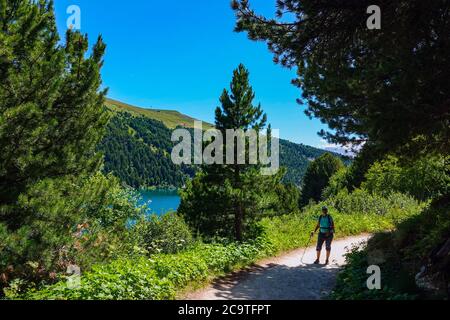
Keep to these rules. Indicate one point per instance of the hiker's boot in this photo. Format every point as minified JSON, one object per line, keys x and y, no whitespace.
{"x":317,"y":261}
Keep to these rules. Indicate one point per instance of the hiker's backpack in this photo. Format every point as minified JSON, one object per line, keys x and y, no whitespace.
{"x":330,"y":222}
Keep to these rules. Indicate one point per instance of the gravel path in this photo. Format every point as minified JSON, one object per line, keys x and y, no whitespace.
{"x":281,"y":278}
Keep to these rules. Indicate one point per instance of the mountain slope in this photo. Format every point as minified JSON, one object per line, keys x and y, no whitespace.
{"x":170,"y":118}
{"x":296,"y":158}
{"x":137,"y":148}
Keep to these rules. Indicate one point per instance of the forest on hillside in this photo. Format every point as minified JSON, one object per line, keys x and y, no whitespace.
{"x":137,"y":150}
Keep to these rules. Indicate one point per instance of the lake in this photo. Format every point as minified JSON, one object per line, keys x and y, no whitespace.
{"x":162,"y":201}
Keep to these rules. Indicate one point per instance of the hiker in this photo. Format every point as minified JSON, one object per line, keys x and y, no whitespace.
{"x":326,"y":234}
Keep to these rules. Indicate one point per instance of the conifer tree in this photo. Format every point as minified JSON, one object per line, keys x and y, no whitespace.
{"x":223,"y":198}
{"x":238,"y":112}
{"x":51,"y":119}
{"x":387,"y":88}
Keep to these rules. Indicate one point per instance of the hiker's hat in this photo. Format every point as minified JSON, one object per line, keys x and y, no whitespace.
{"x":324,"y":208}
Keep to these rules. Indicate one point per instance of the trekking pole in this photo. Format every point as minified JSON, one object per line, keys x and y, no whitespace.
{"x":306,"y":248}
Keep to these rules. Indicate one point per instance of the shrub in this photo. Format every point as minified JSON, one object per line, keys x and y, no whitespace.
{"x":163,"y":234}
{"x":96,"y":234}
{"x":288,"y":198}
{"x":351,"y":282}
{"x":120,"y":280}
{"x":425,"y":178}
{"x":361,"y":201}
{"x":317,"y":177}
{"x":338,"y":182}
{"x":156,"y":278}
{"x":401,"y":255}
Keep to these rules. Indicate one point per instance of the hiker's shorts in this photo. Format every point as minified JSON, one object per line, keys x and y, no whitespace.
{"x":324,"y":238}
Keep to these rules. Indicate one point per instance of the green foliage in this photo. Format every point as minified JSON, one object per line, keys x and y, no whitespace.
{"x":224,"y":198}
{"x":296,"y":158}
{"x":156,"y":278}
{"x":355,"y":174}
{"x":163,"y":275}
{"x":317,"y":177}
{"x":425,"y":178}
{"x":289,"y":232}
{"x":420,"y":235}
{"x":119,"y":280}
{"x":103,"y":235}
{"x":361,"y":201}
{"x":351,"y":282}
{"x":338,"y":182}
{"x":166,"y":234}
{"x":53,"y":204}
{"x":137,"y":150}
{"x":387,"y":87}
{"x":287,"y":197}
{"x":202,"y":210}
{"x":401,"y":255}
{"x":96,"y":233}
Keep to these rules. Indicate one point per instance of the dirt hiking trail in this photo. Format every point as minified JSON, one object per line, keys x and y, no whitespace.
{"x":283,"y":277}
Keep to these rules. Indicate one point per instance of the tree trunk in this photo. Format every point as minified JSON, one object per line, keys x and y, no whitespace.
{"x":238,"y":209}
{"x":238,"y":222}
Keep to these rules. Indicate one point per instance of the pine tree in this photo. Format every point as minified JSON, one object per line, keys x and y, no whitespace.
{"x":51,"y":119}
{"x":387,"y":88}
{"x":238,"y":112}
{"x":224,"y":198}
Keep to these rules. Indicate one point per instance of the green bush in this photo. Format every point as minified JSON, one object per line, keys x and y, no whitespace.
{"x":317,"y":177}
{"x":338,"y":182}
{"x":425,"y":178}
{"x":363,"y":202}
{"x":401,"y":254}
{"x":96,"y":234}
{"x":351,"y":282}
{"x":120,"y":280}
{"x":158,"y":277}
{"x":163,"y":234}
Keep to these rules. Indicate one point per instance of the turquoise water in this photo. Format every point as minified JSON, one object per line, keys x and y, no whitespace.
{"x":161,"y":201}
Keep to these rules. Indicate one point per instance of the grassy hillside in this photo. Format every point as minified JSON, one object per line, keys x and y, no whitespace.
{"x":170,"y":118}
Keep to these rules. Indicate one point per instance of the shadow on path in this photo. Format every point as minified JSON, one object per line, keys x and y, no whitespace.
{"x":282,"y":277}
{"x":278,"y":282}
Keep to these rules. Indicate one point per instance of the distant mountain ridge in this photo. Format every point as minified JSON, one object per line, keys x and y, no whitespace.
{"x":137,"y":148}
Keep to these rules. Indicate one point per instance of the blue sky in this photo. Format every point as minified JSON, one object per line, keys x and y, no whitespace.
{"x":181,"y":54}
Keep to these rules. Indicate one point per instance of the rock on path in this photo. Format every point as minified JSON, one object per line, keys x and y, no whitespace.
{"x":282,"y":278}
